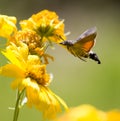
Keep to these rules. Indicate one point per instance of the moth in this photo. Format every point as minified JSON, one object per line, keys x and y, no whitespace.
{"x":81,"y":47}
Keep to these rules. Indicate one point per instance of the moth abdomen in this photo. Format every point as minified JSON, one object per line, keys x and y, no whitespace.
{"x":94,"y":56}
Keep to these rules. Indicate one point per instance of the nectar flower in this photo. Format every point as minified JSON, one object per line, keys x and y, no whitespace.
{"x":30,"y":74}
{"x":47,"y":25}
{"x":7,"y":25}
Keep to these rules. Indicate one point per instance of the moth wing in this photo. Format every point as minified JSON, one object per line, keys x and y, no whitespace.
{"x":86,"y":40}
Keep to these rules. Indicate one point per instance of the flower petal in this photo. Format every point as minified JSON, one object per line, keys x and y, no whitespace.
{"x":44,"y":100}
{"x":7,"y":25}
{"x":11,"y":70}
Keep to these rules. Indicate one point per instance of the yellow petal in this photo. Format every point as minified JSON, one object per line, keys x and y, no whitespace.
{"x":17,"y":55}
{"x":7,"y":25}
{"x":11,"y":70}
{"x":16,"y":83}
{"x":48,"y":103}
{"x":62,"y":102}
{"x":43,"y":99}
{"x":11,"y":57}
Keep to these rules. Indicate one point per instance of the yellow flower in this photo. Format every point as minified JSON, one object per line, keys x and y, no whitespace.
{"x":47,"y":25}
{"x":83,"y":113}
{"x":113,"y":115}
{"x":30,"y":74}
{"x":89,"y":113}
{"x":7,"y":25}
{"x":33,"y":41}
{"x":31,"y":38}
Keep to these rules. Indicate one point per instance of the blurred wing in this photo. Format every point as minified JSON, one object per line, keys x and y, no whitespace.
{"x":86,"y":40}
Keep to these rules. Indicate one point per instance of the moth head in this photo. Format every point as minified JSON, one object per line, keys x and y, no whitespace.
{"x":67,"y":43}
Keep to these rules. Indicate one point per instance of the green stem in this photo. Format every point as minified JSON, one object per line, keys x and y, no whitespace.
{"x":17,"y":106}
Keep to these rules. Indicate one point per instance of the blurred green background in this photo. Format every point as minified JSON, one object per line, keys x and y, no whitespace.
{"x":75,"y":81}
